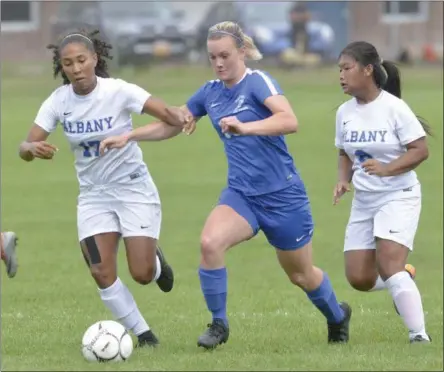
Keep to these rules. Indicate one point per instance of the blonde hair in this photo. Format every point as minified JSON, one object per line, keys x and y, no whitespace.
{"x":232,"y":29}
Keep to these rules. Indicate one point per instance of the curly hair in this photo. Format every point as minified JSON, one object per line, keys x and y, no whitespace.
{"x":92,"y":42}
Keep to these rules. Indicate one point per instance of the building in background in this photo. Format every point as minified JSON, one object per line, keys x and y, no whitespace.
{"x":391,"y":26}
{"x":25,"y":28}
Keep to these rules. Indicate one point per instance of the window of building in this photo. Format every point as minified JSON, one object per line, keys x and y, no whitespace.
{"x":19,"y":16}
{"x":404,"y":11}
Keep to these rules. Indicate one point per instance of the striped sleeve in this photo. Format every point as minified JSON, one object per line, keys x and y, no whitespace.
{"x":264,"y":86}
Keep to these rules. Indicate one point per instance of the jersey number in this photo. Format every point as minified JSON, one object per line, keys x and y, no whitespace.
{"x":362,"y":155}
{"x":90,"y":148}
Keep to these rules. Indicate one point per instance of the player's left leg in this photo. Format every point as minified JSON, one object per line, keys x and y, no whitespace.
{"x":287,"y":224}
{"x":395,"y":228}
{"x":140,"y":221}
{"x":8,"y":244}
{"x":140,"y":216}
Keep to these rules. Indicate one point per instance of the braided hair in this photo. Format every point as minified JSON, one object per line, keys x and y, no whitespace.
{"x":92,"y":42}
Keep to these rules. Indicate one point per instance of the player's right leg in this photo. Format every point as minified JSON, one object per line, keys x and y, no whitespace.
{"x":359,"y":251}
{"x":8,"y":244}
{"x":99,"y":235}
{"x":229,"y":223}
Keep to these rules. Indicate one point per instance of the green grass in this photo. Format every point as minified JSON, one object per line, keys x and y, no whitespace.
{"x":53,"y":299}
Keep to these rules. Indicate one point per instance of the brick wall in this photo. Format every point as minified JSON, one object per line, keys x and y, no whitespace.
{"x":365,"y":24}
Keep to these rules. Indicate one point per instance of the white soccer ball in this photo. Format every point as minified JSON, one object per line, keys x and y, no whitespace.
{"x":106,"y":341}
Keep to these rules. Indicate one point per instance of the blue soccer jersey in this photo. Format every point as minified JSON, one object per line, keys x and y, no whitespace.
{"x":256,"y":164}
{"x":264,"y":186}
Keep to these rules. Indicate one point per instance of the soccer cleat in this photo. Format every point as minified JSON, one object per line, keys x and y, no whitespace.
{"x":147,"y":338}
{"x":166,"y":278}
{"x":216,"y":334}
{"x":340,"y":333}
{"x":419,"y":339}
{"x":9,"y":255}
{"x":412,"y":272}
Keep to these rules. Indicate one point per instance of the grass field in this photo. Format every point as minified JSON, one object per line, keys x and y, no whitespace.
{"x":52,"y":301}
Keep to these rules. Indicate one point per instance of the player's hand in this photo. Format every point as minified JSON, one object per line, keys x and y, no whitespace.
{"x":190,"y":127}
{"x":178,"y":117}
{"x":42,"y":150}
{"x":374,"y":167}
{"x":231,"y":124}
{"x":340,"y":189}
{"x":114,"y":142}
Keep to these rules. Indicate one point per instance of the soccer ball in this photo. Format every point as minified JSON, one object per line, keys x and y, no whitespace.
{"x":106,"y":341}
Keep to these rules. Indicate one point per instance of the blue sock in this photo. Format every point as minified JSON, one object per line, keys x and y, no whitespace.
{"x":324,"y":299}
{"x":214,"y":288}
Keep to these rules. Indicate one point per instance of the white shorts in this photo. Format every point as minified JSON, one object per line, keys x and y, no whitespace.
{"x":131,"y":210}
{"x":392,"y":216}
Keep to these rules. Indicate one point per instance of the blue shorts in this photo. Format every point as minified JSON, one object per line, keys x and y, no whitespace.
{"x":284,"y":216}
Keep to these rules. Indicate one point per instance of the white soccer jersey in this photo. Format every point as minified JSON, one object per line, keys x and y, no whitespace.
{"x":87,"y":120}
{"x":380,"y":130}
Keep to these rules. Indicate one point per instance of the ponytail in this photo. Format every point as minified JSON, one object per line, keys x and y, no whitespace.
{"x":387,"y":76}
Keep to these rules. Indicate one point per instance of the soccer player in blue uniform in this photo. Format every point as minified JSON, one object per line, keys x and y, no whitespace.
{"x":265,"y":192}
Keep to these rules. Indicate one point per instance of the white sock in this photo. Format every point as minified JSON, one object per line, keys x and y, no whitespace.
{"x":158,"y":269}
{"x":119,"y":300}
{"x":379,"y":285}
{"x":407,"y":299}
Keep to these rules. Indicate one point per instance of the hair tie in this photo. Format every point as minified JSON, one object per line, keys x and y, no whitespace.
{"x":384,"y":71}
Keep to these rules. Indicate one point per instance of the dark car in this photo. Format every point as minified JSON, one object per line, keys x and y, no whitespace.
{"x":139,"y":31}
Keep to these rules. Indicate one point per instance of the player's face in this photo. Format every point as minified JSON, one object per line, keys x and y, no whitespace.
{"x":353,"y":77}
{"x":79,"y":63}
{"x":225,"y":57}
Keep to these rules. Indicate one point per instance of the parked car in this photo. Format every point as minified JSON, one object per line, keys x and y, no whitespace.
{"x":268,"y":24}
{"x":139,"y":31}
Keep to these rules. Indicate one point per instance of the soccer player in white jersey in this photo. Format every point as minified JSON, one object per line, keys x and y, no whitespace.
{"x":265,"y":191}
{"x":8,"y":244}
{"x":380,"y":142}
{"x":118,"y":197}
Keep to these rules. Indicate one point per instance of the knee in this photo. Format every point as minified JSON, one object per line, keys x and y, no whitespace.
{"x":363,"y":283}
{"x":104,"y":276}
{"x":307,"y":279}
{"x":299,"y":279}
{"x":210,"y":246}
{"x":144,"y":275}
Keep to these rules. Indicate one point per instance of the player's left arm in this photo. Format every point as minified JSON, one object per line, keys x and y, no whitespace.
{"x":412,"y":135}
{"x":170,"y":115}
{"x":283,"y":120}
{"x":138,"y":100}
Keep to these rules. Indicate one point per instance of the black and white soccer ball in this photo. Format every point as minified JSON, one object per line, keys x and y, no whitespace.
{"x":107,"y":341}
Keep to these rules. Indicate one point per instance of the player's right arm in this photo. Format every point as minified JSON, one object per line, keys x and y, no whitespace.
{"x":35,"y":145}
{"x":345,"y":172}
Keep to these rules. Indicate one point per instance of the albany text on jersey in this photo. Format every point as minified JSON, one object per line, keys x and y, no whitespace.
{"x":87,"y":120}
{"x":378,"y":130}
